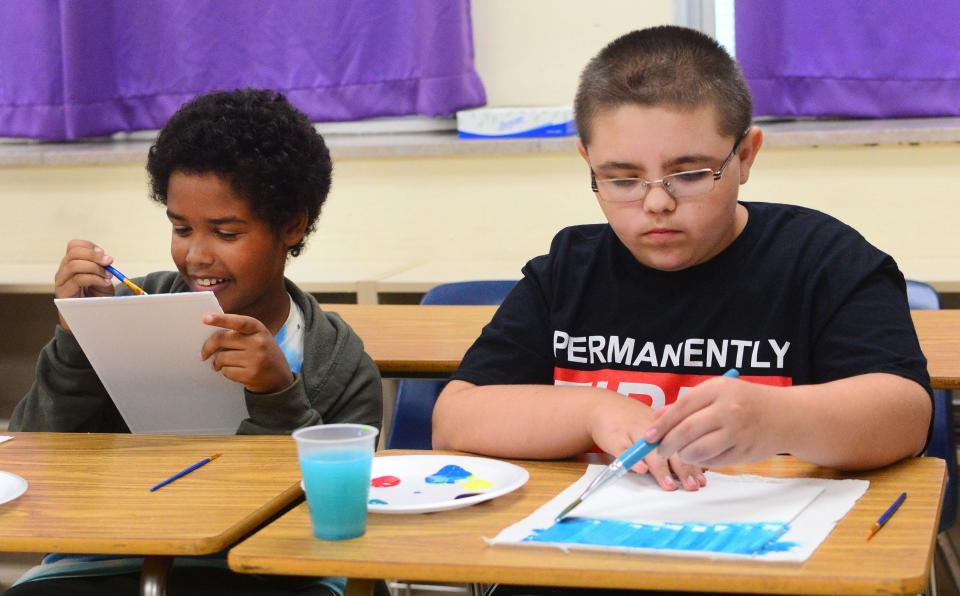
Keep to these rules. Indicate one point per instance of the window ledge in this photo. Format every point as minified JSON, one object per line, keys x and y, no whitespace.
{"x":812,"y":133}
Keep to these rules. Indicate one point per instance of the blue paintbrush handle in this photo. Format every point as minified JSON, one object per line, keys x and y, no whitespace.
{"x":620,"y":466}
{"x":113,"y":270}
{"x":628,"y":459}
{"x":892,"y":509}
{"x":184,"y":472}
{"x":635,"y":453}
{"x":641,"y":448}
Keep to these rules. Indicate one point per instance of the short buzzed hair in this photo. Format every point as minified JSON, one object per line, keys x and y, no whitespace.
{"x":664,"y":66}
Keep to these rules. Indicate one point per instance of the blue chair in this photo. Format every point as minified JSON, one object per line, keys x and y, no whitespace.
{"x":413,"y":412}
{"x":921,"y":296}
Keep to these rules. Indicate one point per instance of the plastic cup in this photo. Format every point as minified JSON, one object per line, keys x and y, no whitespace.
{"x":335,"y":460}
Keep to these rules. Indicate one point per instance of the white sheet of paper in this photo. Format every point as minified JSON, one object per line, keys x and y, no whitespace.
{"x":812,"y":506}
{"x":5,"y":438}
{"x":638,"y":498}
{"x":145,"y":349}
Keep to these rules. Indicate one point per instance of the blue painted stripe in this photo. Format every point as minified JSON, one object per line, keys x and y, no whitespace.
{"x":732,"y":538}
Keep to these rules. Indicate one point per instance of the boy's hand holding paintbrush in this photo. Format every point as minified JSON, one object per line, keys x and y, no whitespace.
{"x":85,"y":271}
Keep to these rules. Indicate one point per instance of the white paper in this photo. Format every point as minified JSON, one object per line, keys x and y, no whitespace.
{"x":638,"y":498}
{"x":5,"y":438}
{"x":811,"y":506}
{"x":146,"y":351}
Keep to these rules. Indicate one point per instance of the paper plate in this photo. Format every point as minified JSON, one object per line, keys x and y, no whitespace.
{"x":425,"y":483}
{"x":11,"y":486}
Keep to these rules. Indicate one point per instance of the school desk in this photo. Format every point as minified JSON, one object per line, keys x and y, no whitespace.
{"x":430,"y":341}
{"x":939,"y":333}
{"x":448,"y":546}
{"x":412,"y":340}
{"x":89,"y":493}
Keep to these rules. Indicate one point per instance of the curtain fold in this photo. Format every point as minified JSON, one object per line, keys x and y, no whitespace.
{"x":851,"y":58}
{"x":75,"y":68}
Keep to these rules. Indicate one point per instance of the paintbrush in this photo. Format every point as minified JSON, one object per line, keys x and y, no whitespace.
{"x":123,"y":278}
{"x":621,"y":465}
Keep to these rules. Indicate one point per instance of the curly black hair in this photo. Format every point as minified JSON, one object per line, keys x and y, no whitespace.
{"x":266,"y":149}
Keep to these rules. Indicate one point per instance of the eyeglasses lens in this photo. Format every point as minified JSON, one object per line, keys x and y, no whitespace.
{"x":679,"y":185}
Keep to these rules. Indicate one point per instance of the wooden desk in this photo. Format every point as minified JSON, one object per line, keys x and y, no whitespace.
{"x":88,"y":493}
{"x":448,"y":546}
{"x":415,"y":341}
{"x":430,"y":341}
{"x":939,"y":333}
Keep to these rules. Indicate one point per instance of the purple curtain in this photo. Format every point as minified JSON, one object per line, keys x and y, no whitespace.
{"x":851,"y":58}
{"x":80,"y":68}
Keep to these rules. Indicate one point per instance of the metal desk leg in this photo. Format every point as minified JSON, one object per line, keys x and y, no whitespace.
{"x":153,"y":578}
{"x":359,"y":587}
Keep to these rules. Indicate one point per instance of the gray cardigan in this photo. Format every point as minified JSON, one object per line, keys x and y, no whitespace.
{"x":338,"y":381}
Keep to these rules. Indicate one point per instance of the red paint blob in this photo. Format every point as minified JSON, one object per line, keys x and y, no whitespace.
{"x":384,"y":481}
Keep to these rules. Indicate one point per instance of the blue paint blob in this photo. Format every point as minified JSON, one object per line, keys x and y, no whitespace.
{"x":416,"y":492}
{"x":780,"y":546}
{"x":377,"y":502}
{"x":733,"y":538}
{"x":465,"y":495}
{"x":448,"y":475}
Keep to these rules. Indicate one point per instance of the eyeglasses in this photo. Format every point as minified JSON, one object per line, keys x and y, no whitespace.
{"x":681,"y":185}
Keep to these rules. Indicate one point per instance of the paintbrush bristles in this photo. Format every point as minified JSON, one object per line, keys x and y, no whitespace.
{"x":568,"y":509}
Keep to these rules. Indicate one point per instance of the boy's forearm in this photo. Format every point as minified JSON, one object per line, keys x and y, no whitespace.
{"x":534,"y":421}
{"x":862,"y":422}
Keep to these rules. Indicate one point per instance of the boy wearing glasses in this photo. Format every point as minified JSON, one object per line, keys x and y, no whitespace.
{"x":624,"y":329}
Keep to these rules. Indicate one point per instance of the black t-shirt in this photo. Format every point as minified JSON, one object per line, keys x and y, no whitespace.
{"x":798,"y":298}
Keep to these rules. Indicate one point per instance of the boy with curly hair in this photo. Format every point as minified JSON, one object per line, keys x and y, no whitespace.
{"x":243,"y":176}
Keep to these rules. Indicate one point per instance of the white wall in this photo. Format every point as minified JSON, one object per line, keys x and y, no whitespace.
{"x":530,"y":52}
{"x":903,"y":198}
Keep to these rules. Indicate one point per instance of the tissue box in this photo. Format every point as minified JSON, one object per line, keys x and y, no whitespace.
{"x":506,"y":123}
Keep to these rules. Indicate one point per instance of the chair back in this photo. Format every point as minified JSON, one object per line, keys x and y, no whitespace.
{"x":412,"y":426}
{"x":922,"y":296}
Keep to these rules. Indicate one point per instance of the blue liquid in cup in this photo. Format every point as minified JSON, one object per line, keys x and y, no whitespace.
{"x":337,"y":484}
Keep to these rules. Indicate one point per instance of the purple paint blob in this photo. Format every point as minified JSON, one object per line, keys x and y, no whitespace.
{"x":448,"y":475}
